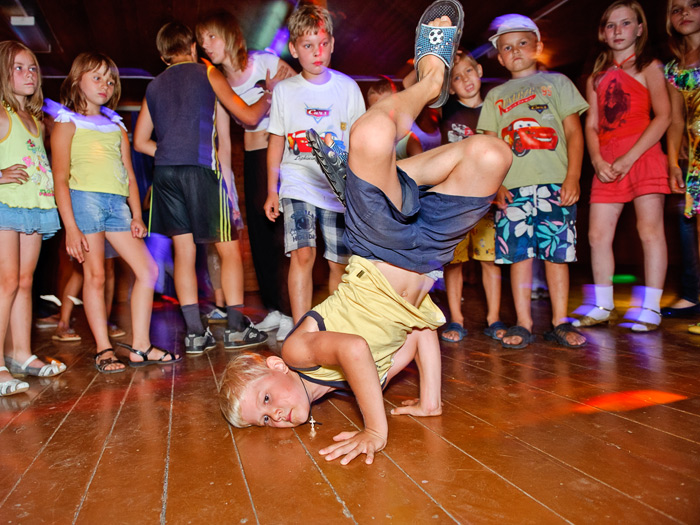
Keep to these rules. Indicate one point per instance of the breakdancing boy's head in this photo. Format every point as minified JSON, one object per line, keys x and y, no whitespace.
{"x":262,"y":391}
{"x":175,"y":39}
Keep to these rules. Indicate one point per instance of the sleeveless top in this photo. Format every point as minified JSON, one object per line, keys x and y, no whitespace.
{"x":20,"y":146}
{"x":251,"y":90}
{"x":95,"y":154}
{"x":624,"y":106}
{"x":182,"y":105}
{"x":687,"y":82}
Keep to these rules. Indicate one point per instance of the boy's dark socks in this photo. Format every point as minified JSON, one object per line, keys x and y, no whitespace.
{"x":193,"y":321}
{"x":236,"y":319}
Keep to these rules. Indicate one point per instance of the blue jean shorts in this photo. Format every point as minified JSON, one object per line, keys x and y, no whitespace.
{"x":29,"y":220}
{"x":535,"y":224}
{"x":100,"y":212}
{"x":300,"y":229}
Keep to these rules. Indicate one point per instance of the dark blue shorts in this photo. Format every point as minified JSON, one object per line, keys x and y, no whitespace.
{"x":420,"y":237}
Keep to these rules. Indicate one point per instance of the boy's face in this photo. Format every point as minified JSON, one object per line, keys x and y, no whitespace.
{"x":277,"y":399}
{"x":466,"y":79}
{"x":313,"y":52}
{"x":518,"y":52}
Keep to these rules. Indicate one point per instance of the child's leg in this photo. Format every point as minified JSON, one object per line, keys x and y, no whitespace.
{"x":94,"y":290}
{"x":110,"y":282}
{"x":21,"y":314}
{"x":136,"y":255}
{"x":454,"y":284}
{"x":9,"y":281}
{"x":185,"y":277}
{"x":491,"y":279}
{"x":521,"y":285}
{"x":72,"y":289}
{"x":231,"y":271}
{"x":601,"y":232}
{"x":650,"y":225}
{"x":336,"y":273}
{"x":424,"y":347}
{"x":300,"y":280}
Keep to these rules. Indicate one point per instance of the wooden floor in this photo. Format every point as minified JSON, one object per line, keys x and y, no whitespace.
{"x":606,"y":434}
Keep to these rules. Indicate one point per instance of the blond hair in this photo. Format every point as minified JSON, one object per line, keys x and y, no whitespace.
{"x":9,"y":49}
{"x":224,"y":25}
{"x":605,"y":58}
{"x":174,"y":39}
{"x":72,"y":96}
{"x":240,"y":372}
{"x":309,"y":19}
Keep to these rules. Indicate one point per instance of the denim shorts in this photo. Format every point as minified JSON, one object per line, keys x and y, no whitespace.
{"x":29,"y":220}
{"x":535,"y":224}
{"x":300,"y":229}
{"x":100,"y":212}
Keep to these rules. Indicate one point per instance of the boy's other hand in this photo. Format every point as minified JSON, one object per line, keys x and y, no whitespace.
{"x":503,"y":197}
{"x":272,"y":206}
{"x":352,"y":444}
{"x":414,"y":407}
{"x":570,"y":192}
{"x":675,"y":179}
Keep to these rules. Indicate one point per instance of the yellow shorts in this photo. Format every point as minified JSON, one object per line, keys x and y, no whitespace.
{"x":480,"y":241}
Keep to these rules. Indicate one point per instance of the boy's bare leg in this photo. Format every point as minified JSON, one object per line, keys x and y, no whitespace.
{"x":300,"y":280}
{"x":231,"y":271}
{"x":491,"y":279}
{"x":521,"y":284}
{"x":454,"y":284}
{"x":558,"y":283}
{"x":423,"y":347}
{"x":336,"y":274}
{"x":185,"y":275}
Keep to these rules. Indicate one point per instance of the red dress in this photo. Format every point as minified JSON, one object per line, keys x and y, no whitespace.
{"x":624,"y":112}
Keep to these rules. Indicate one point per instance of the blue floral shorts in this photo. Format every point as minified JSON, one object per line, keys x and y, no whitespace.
{"x":536,"y":225}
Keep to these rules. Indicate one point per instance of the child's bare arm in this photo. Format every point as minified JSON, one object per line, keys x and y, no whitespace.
{"x":143,"y":131}
{"x":223,"y":146}
{"x":674,"y":137}
{"x":248,"y":115}
{"x":138,"y":228}
{"x":603,"y":169}
{"x":570,"y":188}
{"x":275,"y":150}
{"x":427,"y":357}
{"x":353,"y":355}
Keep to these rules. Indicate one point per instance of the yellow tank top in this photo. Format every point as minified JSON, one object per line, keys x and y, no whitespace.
{"x":95,"y":155}
{"x":20,"y":146}
{"x":365,"y":304}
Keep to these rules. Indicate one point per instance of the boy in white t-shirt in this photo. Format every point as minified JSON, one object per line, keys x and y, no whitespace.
{"x":330,"y":102}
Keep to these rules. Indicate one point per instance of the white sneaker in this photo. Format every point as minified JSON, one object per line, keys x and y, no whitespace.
{"x":286,"y":325}
{"x":271,"y":321}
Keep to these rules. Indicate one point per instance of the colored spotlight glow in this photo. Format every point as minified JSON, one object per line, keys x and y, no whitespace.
{"x":624,"y":279}
{"x":626,"y":401}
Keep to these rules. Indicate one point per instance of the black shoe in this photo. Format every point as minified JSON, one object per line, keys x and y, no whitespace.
{"x":198,"y":344}
{"x":333,"y":164}
{"x":689,"y":312}
{"x":249,"y":336}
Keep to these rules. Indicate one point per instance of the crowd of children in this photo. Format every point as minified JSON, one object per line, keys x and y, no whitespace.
{"x":503,"y":189}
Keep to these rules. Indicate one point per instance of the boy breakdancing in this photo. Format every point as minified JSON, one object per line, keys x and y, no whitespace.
{"x":402,"y":223}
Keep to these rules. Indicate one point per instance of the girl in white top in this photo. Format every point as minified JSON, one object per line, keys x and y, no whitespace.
{"x":98,"y":198}
{"x":27,"y":212}
{"x":247,"y":73}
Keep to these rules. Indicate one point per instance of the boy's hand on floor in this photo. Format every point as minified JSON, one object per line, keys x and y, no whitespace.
{"x":414,"y":407}
{"x":352,"y":444}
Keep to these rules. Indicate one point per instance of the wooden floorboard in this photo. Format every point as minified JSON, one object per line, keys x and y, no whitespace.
{"x":605,"y":434}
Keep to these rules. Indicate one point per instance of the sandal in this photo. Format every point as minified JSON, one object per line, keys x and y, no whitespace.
{"x":102,"y":364}
{"x":146,"y":361}
{"x":558,"y":335}
{"x":587,"y":320}
{"x":54,"y":367}
{"x":333,"y":161}
{"x":641,"y":326}
{"x":525,"y":335}
{"x":65,"y":335}
{"x":114,"y":331}
{"x":12,"y":386}
{"x":454,"y":327}
{"x":493,"y":328}
{"x":250,"y":336}
{"x":442,"y":42}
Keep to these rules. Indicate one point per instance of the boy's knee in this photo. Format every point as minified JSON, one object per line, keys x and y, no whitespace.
{"x":372,"y":135}
{"x":492,"y":154}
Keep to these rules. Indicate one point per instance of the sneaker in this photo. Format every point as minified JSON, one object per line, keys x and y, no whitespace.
{"x":250,"y":336}
{"x":114,"y":331}
{"x":217,"y":316}
{"x":271,"y":322}
{"x":286,"y":325}
{"x":198,"y":344}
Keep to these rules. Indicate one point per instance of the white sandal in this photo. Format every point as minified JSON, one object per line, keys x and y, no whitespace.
{"x":54,"y":367}
{"x":12,"y":386}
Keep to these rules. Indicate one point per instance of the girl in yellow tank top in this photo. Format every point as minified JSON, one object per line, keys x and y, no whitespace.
{"x":98,"y":199}
{"x":27,"y":212}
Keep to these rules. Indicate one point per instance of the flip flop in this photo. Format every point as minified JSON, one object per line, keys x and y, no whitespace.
{"x":558,"y":335}
{"x":442,"y":42}
{"x":526,"y":337}
{"x":491,"y":329}
{"x":454,"y":327}
{"x":333,"y":161}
